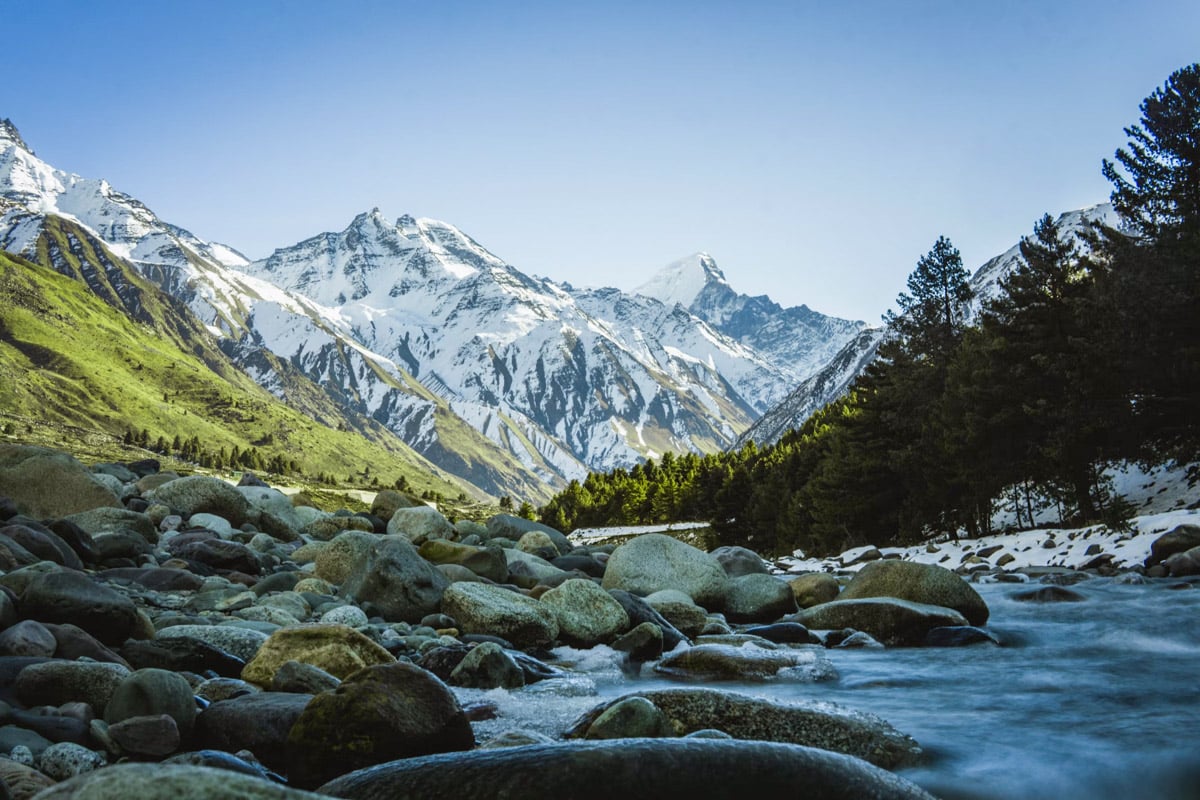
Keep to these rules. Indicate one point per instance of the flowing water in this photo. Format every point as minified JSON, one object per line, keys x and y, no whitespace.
{"x":1095,"y":699}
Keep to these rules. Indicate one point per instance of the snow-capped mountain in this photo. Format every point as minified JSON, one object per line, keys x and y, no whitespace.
{"x":835,"y":377}
{"x":795,"y":341}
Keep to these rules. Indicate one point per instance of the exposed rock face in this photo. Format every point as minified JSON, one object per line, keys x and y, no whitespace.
{"x":920,"y":583}
{"x":654,"y":562}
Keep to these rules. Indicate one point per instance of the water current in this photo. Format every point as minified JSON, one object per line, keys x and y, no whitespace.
{"x":1094,"y":699}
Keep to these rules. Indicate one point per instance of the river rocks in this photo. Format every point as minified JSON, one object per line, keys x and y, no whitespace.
{"x":378,"y":714}
{"x":919,"y":583}
{"x":653,"y":562}
{"x":726,"y":662}
{"x":22,"y":781}
{"x":507,"y":526}
{"x":630,"y":718}
{"x":1179,"y":539}
{"x":66,"y":760}
{"x":890,"y":621}
{"x":664,"y":769}
{"x":240,"y":642}
{"x":757,"y":597}
{"x":678,"y":609}
{"x":958,"y":637}
{"x":180,"y":654}
{"x":146,"y":736}
{"x":587,"y":615}
{"x":642,"y":643}
{"x":640,"y":611}
{"x":1049,"y":594}
{"x":337,"y":649}
{"x":70,"y":596}
{"x":151,"y":692}
{"x":492,"y":610}
{"x":814,"y":588}
{"x":197,"y":494}
{"x":420,"y":524}
{"x":1182,"y":564}
{"x":398,"y":584}
{"x":486,"y":562}
{"x":258,"y":722}
{"x":28,"y":638}
{"x":44,"y":483}
{"x":166,"y":781}
{"x":738,"y":561}
{"x":488,"y":666}
{"x":53,"y":683}
{"x":824,"y":725}
{"x":301,"y":678}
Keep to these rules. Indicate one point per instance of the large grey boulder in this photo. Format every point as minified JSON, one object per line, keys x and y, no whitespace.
{"x":44,"y":483}
{"x":920,"y":583}
{"x":495,"y":611}
{"x":653,"y":562}
{"x":1177,"y":540}
{"x":1182,"y":564}
{"x":888,"y":620}
{"x":398,"y":584}
{"x":420,"y":524}
{"x":259,"y":723}
{"x":757,"y":597}
{"x":170,"y":782}
{"x":507,"y":526}
{"x":726,"y":662}
{"x":814,"y":588}
{"x":738,"y":561}
{"x":814,"y":724}
{"x":587,"y":615}
{"x":197,"y":494}
{"x":662,"y":769}
{"x":72,"y":597}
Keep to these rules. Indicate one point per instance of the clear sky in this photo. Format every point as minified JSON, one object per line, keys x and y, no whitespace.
{"x":816,"y":149}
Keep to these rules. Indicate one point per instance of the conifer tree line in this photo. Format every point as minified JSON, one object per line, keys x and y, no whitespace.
{"x":1088,"y":355}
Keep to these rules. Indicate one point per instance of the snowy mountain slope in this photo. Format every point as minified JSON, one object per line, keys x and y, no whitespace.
{"x":270,"y":332}
{"x":833,"y":379}
{"x":795,"y":341}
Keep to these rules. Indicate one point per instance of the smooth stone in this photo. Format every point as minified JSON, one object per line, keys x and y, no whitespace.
{"x":342,"y":555}
{"x":240,"y":642}
{"x":296,"y":676}
{"x":539,"y":569}
{"x":379,"y":714}
{"x":14,"y":736}
{"x":738,"y":561}
{"x":758,"y":597}
{"x":1183,"y":564}
{"x":814,"y":588}
{"x":352,"y":616}
{"x":747,"y":663}
{"x":643,"y":643}
{"x":958,"y":637}
{"x":1049,"y":594}
{"x":197,"y":494}
{"x":515,"y":739}
{"x":28,"y":638}
{"x":812,"y":723}
{"x":508,"y":526}
{"x":43,"y":544}
{"x":630,"y":718}
{"x":486,"y":562}
{"x":399,"y":585}
{"x":487,"y":666}
{"x":73,"y":597}
{"x":888,"y":620}
{"x":492,"y":610}
{"x":214,"y":690}
{"x":155,"y":736}
{"x":21,"y":780}
{"x":640,"y":611}
{"x":927,"y":584}
{"x":679,"y":609}
{"x":587,"y":615}
{"x":337,"y":649}
{"x":53,"y":683}
{"x":420,"y":524}
{"x":783,"y":633}
{"x":538,"y":543}
{"x":150,"y":692}
{"x":44,"y":483}
{"x":387,"y":501}
{"x":1179,"y":539}
{"x":169,"y":782}
{"x":654,"y":561}
{"x":220,"y":760}
{"x":663,"y":769}
{"x":258,"y":722}
{"x":182,"y":654}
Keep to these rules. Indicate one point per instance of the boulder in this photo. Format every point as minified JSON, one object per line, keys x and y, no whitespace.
{"x":150,"y":735}
{"x":28,"y":638}
{"x":1177,"y":540}
{"x":1183,"y":564}
{"x":165,"y":781}
{"x":758,"y":597}
{"x":420,"y":524}
{"x":664,"y":769}
{"x":811,"y":723}
{"x":149,"y":692}
{"x":44,"y":544}
{"x":240,"y":642}
{"x":640,"y":611}
{"x":486,"y":562}
{"x":256,"y":722}
{"x":814,"y":588}
{"x":890,"y":621}
{"x":106,"y":520}
{"x":587,"y":615}
{"x":495,"y":611}
{"x":678,"y":609}
{"x":927,"y":584}
{"x":644,"y":642}
{"x":723,"y":662}
{"x":301,"y":678}
{"x":338,"y":649}
{"x":73,"y":597}
{"x":344,"y":554}
{"x":197,"y":494}
{"x":398,"y":584}
{"x":507,"y":526}
{"x":630,"y":718}
{"x":738,"y":561}
{"x":378,"y":714}
{"x":22,"y":781}
{"x":53,"y":683}
{"x":488,"y":666}
{"x":44,"y":483}
{"x":654,"y":561}
{"x":388,"y":501}
{"x":65,"y":760}
{"x":182,"y":654}
{"x":1049,"y":594}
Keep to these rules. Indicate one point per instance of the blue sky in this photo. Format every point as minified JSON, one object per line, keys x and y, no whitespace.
{"x":816,"y":149}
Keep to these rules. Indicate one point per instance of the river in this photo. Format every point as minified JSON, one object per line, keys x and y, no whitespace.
{"x":1094,"y":699}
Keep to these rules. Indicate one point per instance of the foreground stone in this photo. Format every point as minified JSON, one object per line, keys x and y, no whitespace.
{"x":337,"y":649}
{"x":919,"y":583}
{"x":491,"y":610}
{"x":662,"y":769}
{"x":823,"y":725}
{"x":170,"y":782}
{"x":45,"y":483}
{"x":376,"y":715}
{"x":889,"y":621}
{"x":722,"y":662}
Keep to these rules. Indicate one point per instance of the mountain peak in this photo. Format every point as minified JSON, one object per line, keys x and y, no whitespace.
{"x":9,"y":133}
{"x":681,"y":281}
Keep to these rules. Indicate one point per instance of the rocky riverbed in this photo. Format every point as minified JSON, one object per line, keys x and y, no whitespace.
{"x":166,"y":636}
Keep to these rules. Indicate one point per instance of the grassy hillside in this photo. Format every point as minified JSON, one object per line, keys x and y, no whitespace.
{"x":76,"y":372}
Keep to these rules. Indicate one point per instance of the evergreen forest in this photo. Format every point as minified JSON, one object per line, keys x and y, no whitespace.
{"x":1088,"y":356}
